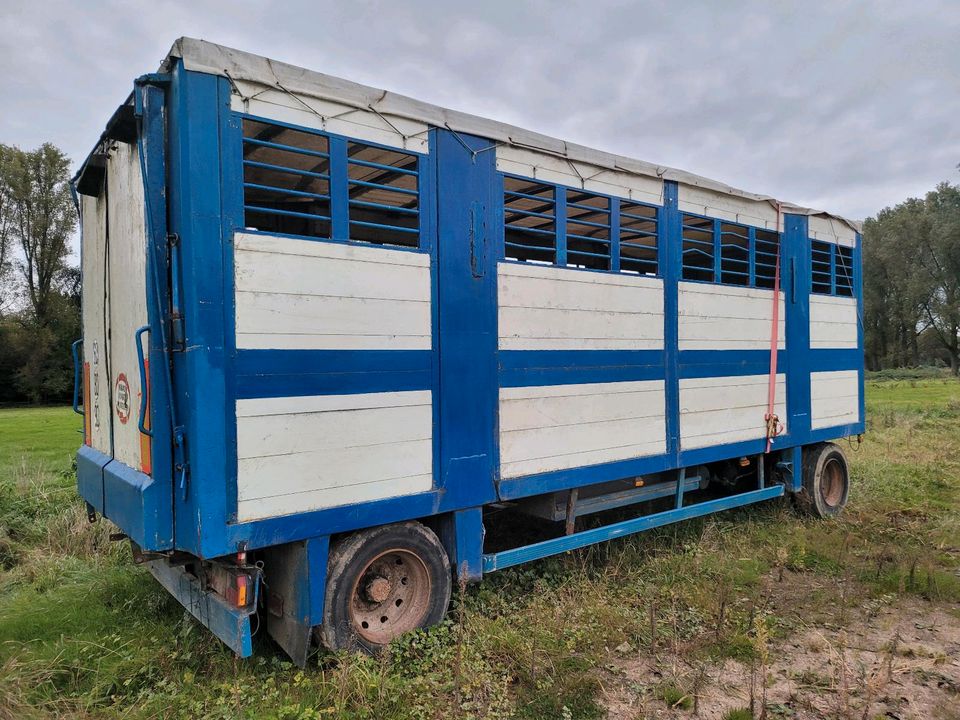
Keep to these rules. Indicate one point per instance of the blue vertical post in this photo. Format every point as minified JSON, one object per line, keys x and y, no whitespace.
{"x":717,"y":250}
{"x":795,"y":273}
{"x":466,"y":332}
{"x":615,"y":234}
{"x":671,"y":254}
{"x":560,"y":210}
{"x":195,"y":215}
{"x":339,"y":190}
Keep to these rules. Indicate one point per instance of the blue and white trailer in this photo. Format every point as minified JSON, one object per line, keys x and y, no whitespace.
{"x":327,"y":328}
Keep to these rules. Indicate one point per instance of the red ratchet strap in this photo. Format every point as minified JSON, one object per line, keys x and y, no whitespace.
{"x":774,"y":426}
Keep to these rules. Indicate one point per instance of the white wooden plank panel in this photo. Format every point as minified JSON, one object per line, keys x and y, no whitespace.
{"x":572,"y":437}
{"x":266,"y":313}
{"x":344,"y":467}
{"x":253,"y":407}
{"x":547,"y":308}
{"x":128,"y":292}
{"x":834,"y":398}
{"x":557,"y":411}
{"x":303,"y":294}
{"x":550,"y":293}
{"x":833,"y":322}
{"x":265,"y":243}
{"x":518,"y":468}
{"x":95,"y":287}
{"x":562,"y":426}
{"x":297,"y":453}
{"x":580,"y":389}
{"x":322,"y":276}
{"x":718,"y":317}
{"x":270,"y":435}
{"x":307,"y":500}
{"x":720,"y":410}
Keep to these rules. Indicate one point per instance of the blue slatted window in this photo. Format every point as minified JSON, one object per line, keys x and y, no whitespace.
{"x":286,"y":180}
{"x":384,"y":195}
{"x":588,"y":230}
{"x":821,"y":267}
{"x":831,"y":269}
{"x":638,"y":238}
{"x":301,"y":182}
{"x":529,"y":221}
{"x":699,"y":249}
{"x":766,"y":247}
{"x":734,"y":254}
{"x":843,"y":270}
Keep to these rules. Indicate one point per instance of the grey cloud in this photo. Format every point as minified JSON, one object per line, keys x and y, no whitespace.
{"x":847,"y":106}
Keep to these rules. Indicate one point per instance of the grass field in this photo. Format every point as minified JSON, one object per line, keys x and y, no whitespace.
{"x":851,"y":618}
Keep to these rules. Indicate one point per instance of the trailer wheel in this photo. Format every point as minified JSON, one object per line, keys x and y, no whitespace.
{"x":826,"y":481}
{"x":382,"y":583}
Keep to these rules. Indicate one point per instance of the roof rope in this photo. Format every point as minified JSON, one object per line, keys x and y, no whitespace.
{"x":772,"y":421}
{"x":473,"y":153}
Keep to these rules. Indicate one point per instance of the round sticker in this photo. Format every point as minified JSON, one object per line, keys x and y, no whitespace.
{"x":123,"y":398}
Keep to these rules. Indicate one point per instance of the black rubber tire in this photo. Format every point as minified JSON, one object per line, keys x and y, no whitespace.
{"x":826,"y":481}
{"x":349,"y":558}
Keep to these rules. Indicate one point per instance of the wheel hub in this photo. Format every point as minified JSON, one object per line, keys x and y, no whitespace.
{"x":378,"y":589}
{"x":391,"y":596}
{"x":831,"y":482}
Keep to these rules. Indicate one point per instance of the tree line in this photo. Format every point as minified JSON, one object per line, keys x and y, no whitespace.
{"x":911,"y":279}
{"x":911,"y":282}
{"x":39,"y":288}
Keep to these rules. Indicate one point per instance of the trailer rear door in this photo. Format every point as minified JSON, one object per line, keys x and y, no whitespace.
{"x":115,"y":467}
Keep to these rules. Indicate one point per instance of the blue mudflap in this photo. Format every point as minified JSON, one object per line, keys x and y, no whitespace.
{"x":90,"y":464}
{"x":139,"y":505}
{"x":516,"y":556}
{"x":230,"y":624}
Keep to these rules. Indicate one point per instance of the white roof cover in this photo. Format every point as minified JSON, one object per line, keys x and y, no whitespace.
{"x":207,"y":57}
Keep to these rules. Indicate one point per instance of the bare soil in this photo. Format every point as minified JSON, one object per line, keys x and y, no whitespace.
{"x":879,"y":658}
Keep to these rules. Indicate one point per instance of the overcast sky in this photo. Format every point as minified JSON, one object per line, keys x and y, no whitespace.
{"x":842,"y":106}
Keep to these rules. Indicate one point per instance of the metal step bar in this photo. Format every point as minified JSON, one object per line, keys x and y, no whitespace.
{"x":555,"y":546}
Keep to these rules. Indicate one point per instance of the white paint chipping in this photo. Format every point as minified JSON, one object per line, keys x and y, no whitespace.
{"x":563,"y":426}
{"x":548,"y":308}
{"x":833,"y":322}
{"x":301,"y":454}
{"x":725,"y":317}
{"x":834,"y":398}
{"x":720,"y":410}
{"x":303,"y":294}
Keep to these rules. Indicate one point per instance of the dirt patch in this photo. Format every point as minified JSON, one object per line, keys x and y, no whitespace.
{"x":885,"y":658}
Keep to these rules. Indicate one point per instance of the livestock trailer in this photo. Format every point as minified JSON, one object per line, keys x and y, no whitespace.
{"x":328,"y":330}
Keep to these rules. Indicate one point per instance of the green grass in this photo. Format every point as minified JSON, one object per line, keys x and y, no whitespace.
{"x":83,"y":633}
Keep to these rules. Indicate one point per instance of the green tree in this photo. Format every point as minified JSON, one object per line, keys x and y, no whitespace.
{"x":912,"y":280}
{"x":42,"y":218}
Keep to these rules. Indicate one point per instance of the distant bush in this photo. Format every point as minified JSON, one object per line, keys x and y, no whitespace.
{"x":923,"y":372}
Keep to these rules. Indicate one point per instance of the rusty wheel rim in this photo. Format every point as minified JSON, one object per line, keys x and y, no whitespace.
{"x":390,"y":597}
{"x":831,"y":482}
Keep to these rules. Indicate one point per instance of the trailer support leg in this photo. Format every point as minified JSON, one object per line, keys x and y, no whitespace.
{"x":461,"y":533}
